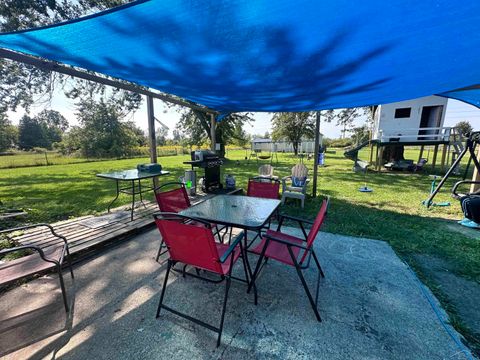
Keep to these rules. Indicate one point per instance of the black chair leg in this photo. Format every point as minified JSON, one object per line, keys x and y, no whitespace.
{"x":159,"y":251}
{"x":248,"y":273}
{"x":224,"y":308}
{"x":318,"y":264}
{"x":304,"y":283}
{"x":169,"y":266}
{"x":257,"y":267}
{"x":70,"y":265}
{"x":62,"y":286}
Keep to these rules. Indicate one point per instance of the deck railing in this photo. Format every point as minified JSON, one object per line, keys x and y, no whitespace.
{"x":445,"y":133}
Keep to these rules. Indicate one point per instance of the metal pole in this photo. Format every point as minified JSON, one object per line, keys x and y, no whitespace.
{"x":316,"y":152}
{"x":151,"y":130}
{"x":151,"y":135}
{"x":212,"y":131}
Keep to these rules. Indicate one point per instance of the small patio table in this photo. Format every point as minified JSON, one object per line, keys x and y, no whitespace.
{"x":244,"y":212}
{"x":131,"y":176}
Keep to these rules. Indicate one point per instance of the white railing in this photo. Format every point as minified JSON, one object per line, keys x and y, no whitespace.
{"x":418,"y":134}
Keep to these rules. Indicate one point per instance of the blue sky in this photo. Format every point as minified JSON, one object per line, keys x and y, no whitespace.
{"x":456,"y":111}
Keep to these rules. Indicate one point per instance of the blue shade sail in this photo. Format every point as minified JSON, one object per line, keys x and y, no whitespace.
{"x":276,"y":55}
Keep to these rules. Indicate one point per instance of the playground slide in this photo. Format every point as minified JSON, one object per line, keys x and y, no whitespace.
{"x":352,"y":153}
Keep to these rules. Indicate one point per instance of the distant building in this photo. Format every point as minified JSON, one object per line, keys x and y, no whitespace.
{"x":268,"y":145}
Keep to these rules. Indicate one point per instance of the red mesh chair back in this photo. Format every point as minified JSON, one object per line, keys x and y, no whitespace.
{"x":263,"y":189}
{"x":174,"y":200}
{"x":190,"y":244}
{"x":317,"y":224}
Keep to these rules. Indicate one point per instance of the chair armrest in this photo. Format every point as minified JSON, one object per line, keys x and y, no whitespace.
{"x":297,"y":219}
{"x":284,"y":182}
{"x":468,"y":182}
{"x":232,"y":247}
{"x":294,"y":218}
{"x":26,"y":227}
{"x":31,"y":247}
{"x":288,"y":243}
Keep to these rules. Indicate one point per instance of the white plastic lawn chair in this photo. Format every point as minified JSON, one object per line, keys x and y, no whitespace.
{"x":266,"y":171}
{"x":295,"y":185}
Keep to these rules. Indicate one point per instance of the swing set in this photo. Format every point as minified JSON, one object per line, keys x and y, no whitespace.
{"x":470,"y":201}
{"x":256,"y":152}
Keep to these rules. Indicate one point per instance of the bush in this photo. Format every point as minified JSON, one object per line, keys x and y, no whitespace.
{"x":338,"y":142}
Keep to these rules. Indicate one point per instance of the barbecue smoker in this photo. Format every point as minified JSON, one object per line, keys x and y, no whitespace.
{"x":209,"y":161}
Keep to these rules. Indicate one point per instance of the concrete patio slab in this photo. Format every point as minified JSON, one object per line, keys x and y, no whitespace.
{"x":372,"y":305}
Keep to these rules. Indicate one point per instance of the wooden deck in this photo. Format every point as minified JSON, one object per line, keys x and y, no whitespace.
{"x":88,"y":234}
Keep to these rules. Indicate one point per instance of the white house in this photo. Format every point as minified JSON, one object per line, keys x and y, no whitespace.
{"x":417,"y":120}
{"x":268,"y":145}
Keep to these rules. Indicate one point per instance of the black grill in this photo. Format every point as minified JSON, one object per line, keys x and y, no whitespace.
{"x":211,"y":163}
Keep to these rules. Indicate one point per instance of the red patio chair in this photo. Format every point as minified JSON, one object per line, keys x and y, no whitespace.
{"x":262,"y":187}
{"x":267,"y":188}
{"x":195,"y":245}
{"x":174,"y":201}
{"x":293,"y":251}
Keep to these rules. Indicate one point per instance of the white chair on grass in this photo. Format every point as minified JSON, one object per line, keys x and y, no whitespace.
{"x":295,"y":185}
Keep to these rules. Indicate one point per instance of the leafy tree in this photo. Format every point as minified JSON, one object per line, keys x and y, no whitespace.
{"x":360,"y":134}
{"x":345,"y":119}
{"x":54,"y":125}
{"x":31,"y":133}
{"x":161,"y":134}
{"x":8,"y":133}
{"x":41,"y":130}
{"x":104,"y":134}
{"x":178,"y":138}
{"x":464,"y":127}
{"x":240,"y":137}
{"x":293,"y":127}
{"x":72,"y":141}
{"x":196,"y":126}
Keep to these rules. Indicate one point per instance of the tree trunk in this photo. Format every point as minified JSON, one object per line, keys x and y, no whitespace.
{"x":295,"y":148}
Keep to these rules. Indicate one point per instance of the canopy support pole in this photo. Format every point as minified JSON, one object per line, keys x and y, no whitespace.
{"x":152,"y":141}
{"x":316,"y":153}
{"x":212,"y":131}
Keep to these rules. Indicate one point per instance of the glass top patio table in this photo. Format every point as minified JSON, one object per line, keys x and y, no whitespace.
{"x":133,"y":174}
{"x":245,"y":212}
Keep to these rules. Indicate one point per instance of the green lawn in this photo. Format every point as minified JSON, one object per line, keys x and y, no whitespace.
{"x":392,"y":212}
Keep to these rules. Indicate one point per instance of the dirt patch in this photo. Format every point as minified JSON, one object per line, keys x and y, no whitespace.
{"x":462,"y":294}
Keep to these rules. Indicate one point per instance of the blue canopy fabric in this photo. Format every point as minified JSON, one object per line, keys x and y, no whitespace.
{"x":275,"y":55}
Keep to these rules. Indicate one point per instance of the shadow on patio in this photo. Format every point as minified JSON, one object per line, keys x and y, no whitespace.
{"x":371,"y":303}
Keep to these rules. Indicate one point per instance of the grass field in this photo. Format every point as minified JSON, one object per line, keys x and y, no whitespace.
{"x":392,"y":212}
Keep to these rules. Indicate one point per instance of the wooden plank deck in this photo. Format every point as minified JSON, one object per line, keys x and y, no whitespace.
{"x":88,"y":234}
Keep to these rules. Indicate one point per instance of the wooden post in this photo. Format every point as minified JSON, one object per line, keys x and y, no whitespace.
{"x":380,"y":158}
{"x":377,"y":162}
{"x":476,"y":175}
{"x":434,"y":160}
{"x":421,"y":152}
{"x":151,"y":135}
{"x":316,"y":152}
{"x":212,"y":131}
{"x":448,"y":155}
{"x":371,"y":153}
{"x":444,"y":155}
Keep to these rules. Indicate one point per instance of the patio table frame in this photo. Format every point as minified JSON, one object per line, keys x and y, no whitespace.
{"x":196,"y":211}
{"x":133,"y":176}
